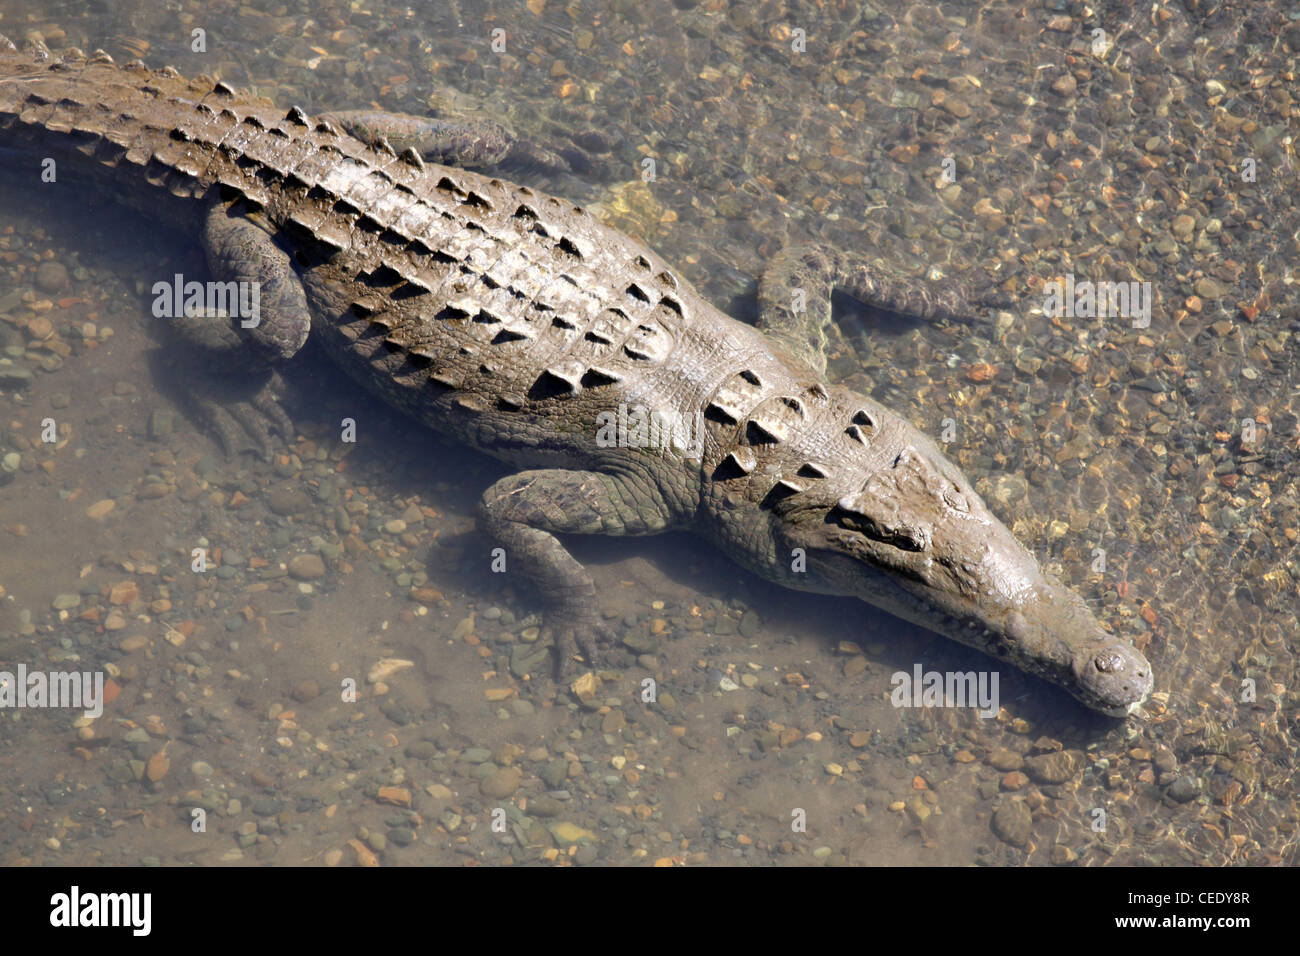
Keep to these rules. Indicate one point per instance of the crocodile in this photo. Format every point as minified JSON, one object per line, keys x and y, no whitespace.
{"x":519,"y":324}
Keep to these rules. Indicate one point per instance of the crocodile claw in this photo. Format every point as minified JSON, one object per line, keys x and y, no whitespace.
{"x":244,"y":421}
{"x":583,"y":636}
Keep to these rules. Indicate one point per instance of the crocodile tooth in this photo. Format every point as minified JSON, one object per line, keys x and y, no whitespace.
{"x":155,"y":171}
{"x":763,"y":433}
{"x":412,"y":158}
{"x":183,"y":182}
{"x":86,"y":141}
{"x":296,"y":116}
{"x":138,"y":155}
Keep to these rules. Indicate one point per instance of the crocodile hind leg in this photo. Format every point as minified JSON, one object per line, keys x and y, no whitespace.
{"x":265,"y":320}
{"x":795,"y":297}
{"x":523,"y":513}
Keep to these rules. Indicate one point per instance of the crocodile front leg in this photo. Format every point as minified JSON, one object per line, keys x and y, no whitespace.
{"x":259,"y":280}
{"x":795,"y":297}
{"x":524,"y":512}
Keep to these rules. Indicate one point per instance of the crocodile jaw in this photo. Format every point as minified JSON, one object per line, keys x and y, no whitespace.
{"x":917,"y":540}
{"x":1026,"y":618}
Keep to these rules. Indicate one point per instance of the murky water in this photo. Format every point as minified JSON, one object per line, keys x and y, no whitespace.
{"x":1150,"y":461}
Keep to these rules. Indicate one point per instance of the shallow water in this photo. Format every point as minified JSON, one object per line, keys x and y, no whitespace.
{"x":1154,"y":469}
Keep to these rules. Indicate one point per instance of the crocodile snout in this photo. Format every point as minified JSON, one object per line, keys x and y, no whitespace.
{"x":1114,"y":676}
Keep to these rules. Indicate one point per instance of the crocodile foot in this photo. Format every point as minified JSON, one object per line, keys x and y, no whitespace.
{"x":242,"y":414}
{"x":574,"y":636}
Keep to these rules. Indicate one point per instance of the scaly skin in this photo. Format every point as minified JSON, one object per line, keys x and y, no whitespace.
{"x":520,"y":325}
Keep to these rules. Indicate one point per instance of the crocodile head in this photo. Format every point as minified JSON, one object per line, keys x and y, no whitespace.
{"x":915,"y":539}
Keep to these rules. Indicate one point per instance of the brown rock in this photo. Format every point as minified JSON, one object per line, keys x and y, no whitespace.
{"x":1004,"y":760}
{"x":1050,"y":768}
{"x":123,"y":592}
{"x":306,"y":567}
{"x":51,"y":277}
{"x":305,"y":691}
{"x":40,"y":328}
{"x":1015,"y":780}
{"x":1012,"y":822}
{"x":397,"y":796}
{"x":501,"y":784}
{"x":157,"y":766}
